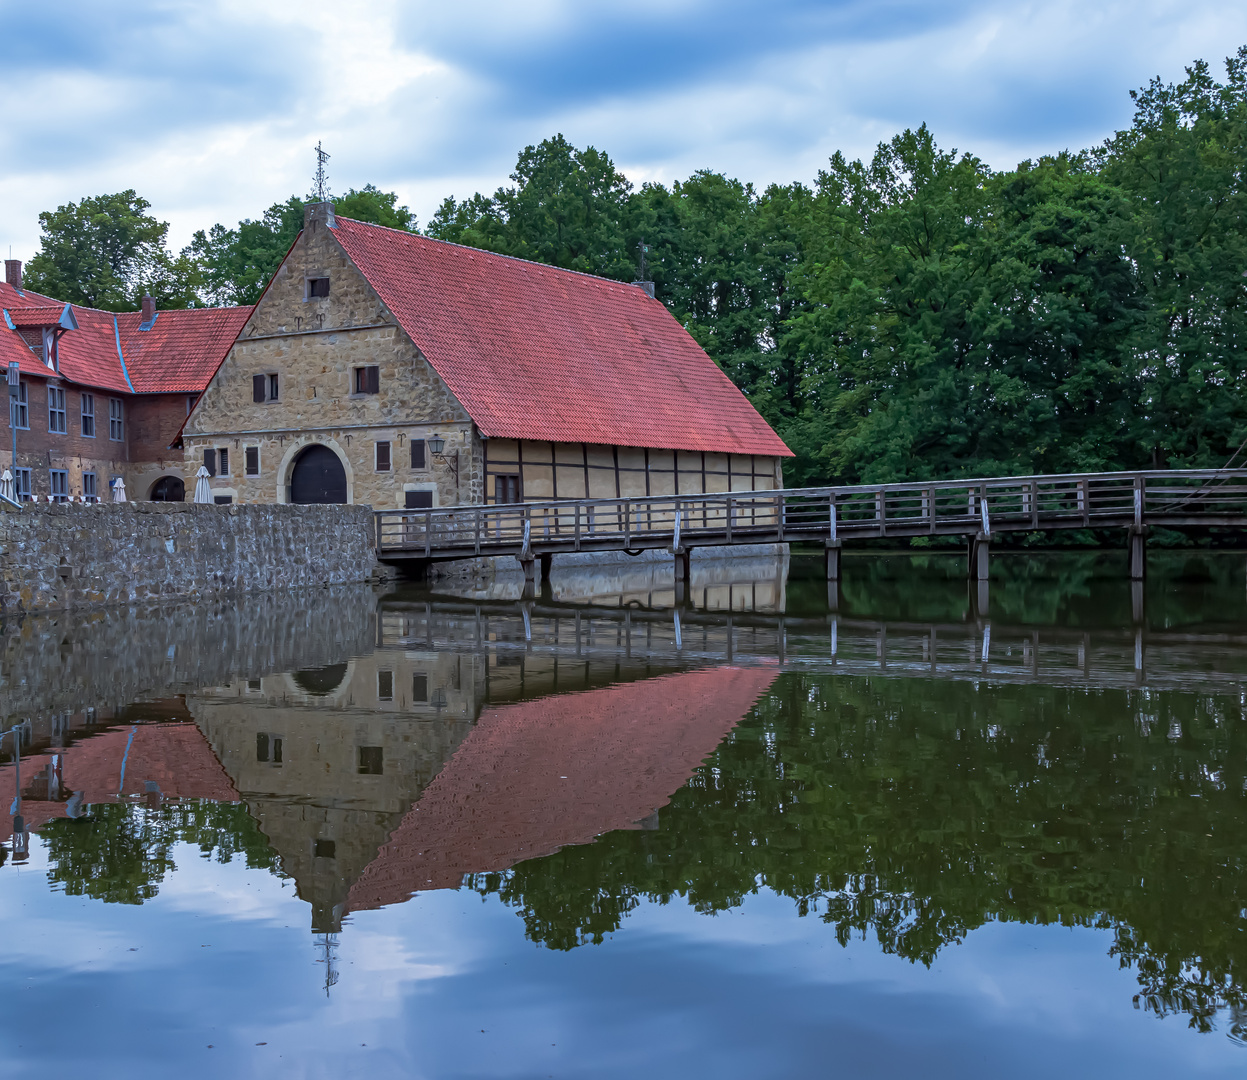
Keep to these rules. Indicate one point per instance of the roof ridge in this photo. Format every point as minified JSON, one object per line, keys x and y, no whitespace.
{"x":486,"y":251}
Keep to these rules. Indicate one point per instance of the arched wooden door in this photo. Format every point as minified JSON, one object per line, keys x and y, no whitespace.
{"x":318,"y":477}
{"x":168,"y":489}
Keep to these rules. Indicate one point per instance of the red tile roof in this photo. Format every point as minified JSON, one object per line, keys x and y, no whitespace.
{"x":182,"y":350}
{"x":176,"y":756}
{"x":535,"y":352}
{"x":44,"y":315}
{"x":178,"y":355}
{"x":534,"y":777}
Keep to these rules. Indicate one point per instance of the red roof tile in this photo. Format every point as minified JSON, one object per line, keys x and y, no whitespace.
{"x":535,"y":352}
{"x":176,"y":756}
{"x":44,"y":315}
{"x":182,"y":350}
{"x":534,"y":777}
{"x":178,"y":355}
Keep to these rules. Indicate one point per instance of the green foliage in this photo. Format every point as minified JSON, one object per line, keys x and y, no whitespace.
{"x":917,"y":811}
{"x":107,"y":252}
{"x":120,"y":852}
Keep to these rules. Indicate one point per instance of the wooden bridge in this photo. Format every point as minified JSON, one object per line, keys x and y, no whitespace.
{"x":977,"y":509}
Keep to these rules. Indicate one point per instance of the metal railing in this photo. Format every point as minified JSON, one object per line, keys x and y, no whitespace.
{"x":997,"y":504}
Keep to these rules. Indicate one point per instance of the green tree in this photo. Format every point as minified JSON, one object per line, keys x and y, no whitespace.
{"x":566,"y":207}
{"x":1180,"y":165}
{"x":107,"y":252}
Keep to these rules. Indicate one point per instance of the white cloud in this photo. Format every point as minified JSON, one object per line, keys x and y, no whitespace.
{"x":211,"y":110}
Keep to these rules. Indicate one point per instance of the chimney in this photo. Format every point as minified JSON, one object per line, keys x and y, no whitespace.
{"x":13,"y":273}
{"x":149,"y":310}
{"x":318,"y":213}
{"x":648,"y":286}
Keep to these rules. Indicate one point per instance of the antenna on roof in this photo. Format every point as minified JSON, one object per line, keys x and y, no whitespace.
{"x":320,"y":178}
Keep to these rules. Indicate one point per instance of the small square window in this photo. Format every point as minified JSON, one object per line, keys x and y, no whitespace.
{"x":383,"y":457}
{"x":251,"y":462}
{"x":323,"y":849}
{"x":420,"y":687}
{"x":317,"y":288}
{"x":385,"y":686}
{"x":253,"y":686}
{"x":367,"y":380}
{"x":370,"y":760}
{"x":223,"y":500}
{"x":417,"y":500}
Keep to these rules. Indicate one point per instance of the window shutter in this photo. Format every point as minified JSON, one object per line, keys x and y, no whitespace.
{"x":417,"y":454}
{"x":253,"y":461}
{"x":257,"y":387}
{"x":383,"y":457}
{"x":210,"y":462}
{"x":374,"y":379}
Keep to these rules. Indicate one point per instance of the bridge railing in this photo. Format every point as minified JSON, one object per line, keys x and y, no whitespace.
{"x":949,"y":506}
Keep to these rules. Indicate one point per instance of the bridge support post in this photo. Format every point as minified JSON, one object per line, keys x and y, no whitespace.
{"x":1138,"y":552}
{"x":979,"y":568}
{"x":831,"y":559}
{"x":529,"y":565}
{"x":683,"y":574}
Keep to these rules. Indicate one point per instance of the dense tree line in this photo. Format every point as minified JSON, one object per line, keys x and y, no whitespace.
{"x":917,"y":314}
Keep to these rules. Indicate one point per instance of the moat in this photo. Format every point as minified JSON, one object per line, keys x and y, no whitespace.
{"x":892,"y":830}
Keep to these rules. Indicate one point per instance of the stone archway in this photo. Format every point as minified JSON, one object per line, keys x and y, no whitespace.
{"x":168,"y":489}
{"x":317,"y":476}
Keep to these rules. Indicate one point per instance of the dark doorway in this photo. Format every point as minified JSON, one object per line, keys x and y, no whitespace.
{"x":168,"y":489}
{"x":318,"y":477}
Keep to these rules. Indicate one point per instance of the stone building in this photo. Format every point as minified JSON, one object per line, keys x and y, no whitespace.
{"x":103,"y":395}
{"x":386,"y":368}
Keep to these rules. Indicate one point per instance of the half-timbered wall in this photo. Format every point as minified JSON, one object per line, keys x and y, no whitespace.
{"x":547,"y":470}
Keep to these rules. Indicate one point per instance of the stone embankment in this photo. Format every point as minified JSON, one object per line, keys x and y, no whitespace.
{"x":74,"y":555}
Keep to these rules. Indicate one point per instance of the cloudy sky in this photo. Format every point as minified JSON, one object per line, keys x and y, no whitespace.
{"x":210,"y":108}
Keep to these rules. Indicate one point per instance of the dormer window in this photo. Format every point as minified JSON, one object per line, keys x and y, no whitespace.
{"x":317,"y":288}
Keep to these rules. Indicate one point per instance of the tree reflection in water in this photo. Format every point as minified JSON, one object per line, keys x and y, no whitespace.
{"x":921,"y":810}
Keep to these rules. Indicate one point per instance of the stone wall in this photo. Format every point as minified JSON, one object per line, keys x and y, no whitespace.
{"x":313,"y":345}
{"x":71,"y":555}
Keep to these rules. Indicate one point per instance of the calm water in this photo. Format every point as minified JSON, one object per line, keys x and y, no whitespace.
{"x":901,"y":830}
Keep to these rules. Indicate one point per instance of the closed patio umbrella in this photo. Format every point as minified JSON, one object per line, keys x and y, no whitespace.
{"x":6,"y":484}
{"x":203,"y":490}
{"x":119,"y":490}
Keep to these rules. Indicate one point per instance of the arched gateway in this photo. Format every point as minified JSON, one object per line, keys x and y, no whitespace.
{"x":168,"y":489}
{"x":317,"y":476}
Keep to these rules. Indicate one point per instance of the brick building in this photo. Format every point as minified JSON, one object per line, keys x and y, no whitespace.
{"x":104,"y":395}
{"x":373,"y":348}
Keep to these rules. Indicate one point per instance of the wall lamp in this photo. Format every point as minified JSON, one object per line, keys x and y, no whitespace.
{"x":437,"y":447}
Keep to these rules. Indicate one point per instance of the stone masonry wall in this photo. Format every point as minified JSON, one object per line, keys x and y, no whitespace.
{"x":313,"y":345}
{"x":73,"y":555}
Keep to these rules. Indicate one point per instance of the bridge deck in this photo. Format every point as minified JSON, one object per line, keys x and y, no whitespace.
{"x":1177,"y":498}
